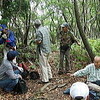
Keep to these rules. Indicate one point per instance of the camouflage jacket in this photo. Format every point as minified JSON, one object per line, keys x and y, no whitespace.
{"x":67,"y":39}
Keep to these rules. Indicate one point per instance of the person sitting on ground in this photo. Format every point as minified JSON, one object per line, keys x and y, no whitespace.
{"x":8,"y":76}
{"x":92,"y":71}
{"x":79,"y":91}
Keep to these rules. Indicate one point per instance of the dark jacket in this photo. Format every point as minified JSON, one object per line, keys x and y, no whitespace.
{"x":10,"y":41}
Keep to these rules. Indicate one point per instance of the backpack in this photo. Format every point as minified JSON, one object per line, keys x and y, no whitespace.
{"x":25,"y":74}
{"x":34,"y":75}
{"x":20,"y":87}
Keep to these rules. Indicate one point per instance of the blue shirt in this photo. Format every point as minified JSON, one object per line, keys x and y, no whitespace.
{"x":11,"y":40}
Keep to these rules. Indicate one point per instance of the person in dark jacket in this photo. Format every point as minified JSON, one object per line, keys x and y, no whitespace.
{"x":8,"y":75}
{"x":8,"y":39}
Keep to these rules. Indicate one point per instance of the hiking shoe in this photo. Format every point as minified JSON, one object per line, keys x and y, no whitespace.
{"x":41,"y":82}
{"x":65,"y":72}
{"x":67,"y":91}
{"x":50,"y":79}
{"x":60,"y":72}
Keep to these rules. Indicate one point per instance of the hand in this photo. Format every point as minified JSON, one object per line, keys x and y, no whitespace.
{"x":38,"y":42}
{"x":4,"y":36}
{"x":20,"y":76}
{"x":79,"y":43}
{"x":21,"y":69}
{"x":13,"y":48}
{"x":71,"y":75}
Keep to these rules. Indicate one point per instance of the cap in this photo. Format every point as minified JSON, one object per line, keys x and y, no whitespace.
{"x":2,"y":27}
{"x":12,"y":54}
{"x":37,"y":21}
{"x":65,"y":25}
{"x":79,"y":89}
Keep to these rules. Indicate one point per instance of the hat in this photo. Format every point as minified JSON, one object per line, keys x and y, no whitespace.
{"x":12,"y":54}
{"x":2,"y":27}
{"x":65,"y":25}
{"x":79,"y":89}
{"x":37,"y":21}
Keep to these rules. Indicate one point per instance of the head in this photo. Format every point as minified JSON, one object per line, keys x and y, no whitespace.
{"x":37,"y":23}
{"x":3,"y":28}
{"x":65,"y":27}
{"x":11,"y":55}
{"x":79,"y":91}
{"x":97,"y":61}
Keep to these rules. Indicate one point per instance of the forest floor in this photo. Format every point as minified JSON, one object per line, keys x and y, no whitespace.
{"x":50,"y":91}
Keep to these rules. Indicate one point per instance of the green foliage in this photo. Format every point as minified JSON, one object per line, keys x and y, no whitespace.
{"x":79,"y":55}
{"x":95,"y":44}
{"x":11,"y":8}
{"x":4,"y":21}
{"x":54,"y":47}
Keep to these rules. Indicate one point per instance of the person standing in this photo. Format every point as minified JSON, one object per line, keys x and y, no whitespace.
{"x":66,"y":40}
{"x":92,"y":71}
{"x":43,"y":48}
{"x":8,"y":39}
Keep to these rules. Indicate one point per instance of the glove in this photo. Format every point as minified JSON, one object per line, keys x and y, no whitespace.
{"x":4,"y":36}
{"x":21,"y":69}
{"x":13,"y":48}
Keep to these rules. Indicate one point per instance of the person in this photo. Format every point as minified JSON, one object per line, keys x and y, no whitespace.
{"x":9,"y":73}
{"x":8,"y":39}
{"x":92,"y":71}
{"x":66,"y":40}
{"x":79,"y":91}
{"x":43,"y":47}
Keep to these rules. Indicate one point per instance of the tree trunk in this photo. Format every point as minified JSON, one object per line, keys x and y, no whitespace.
{"x":28,"y":17}
{"x":84,"y":39}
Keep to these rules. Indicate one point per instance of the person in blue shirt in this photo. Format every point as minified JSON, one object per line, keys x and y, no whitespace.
{"x":8,"y":39}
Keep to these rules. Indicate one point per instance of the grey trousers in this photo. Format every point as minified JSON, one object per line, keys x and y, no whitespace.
{"x":45,"y":67}
{"x":64,"y":60}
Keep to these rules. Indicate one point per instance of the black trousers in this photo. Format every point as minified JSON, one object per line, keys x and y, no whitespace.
{"x":97,"y":82}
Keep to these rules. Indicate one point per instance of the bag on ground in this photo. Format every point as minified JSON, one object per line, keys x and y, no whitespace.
{"x":20,"y":87}
{"x":34,"y":75}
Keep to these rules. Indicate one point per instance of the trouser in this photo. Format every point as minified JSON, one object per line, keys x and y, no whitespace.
{"x":8,"y":84}
{"x":46,"y":73}
{"x":64,"y":56}
{"x":5,"y":54}
{"x":97,"y":82}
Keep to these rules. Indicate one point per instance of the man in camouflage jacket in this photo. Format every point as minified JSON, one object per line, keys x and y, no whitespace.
{"x":66,"y":40}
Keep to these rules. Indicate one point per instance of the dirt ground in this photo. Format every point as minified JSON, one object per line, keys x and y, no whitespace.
{"x":50,"y":91}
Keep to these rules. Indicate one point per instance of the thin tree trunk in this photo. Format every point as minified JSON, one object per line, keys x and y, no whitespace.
{"x":84,"y":39}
